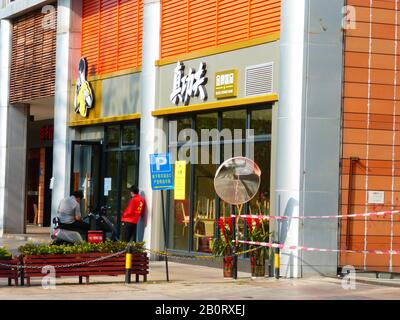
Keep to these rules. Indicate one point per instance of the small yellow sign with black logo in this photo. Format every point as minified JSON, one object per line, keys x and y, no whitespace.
{"x":226,"y":84}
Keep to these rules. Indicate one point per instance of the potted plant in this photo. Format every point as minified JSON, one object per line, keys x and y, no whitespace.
{"x":8,"y":266}
{"x":4,"y":254}
{"x":86,"y":259}
{"x":222,"y":246}
{"x":257,"y":231}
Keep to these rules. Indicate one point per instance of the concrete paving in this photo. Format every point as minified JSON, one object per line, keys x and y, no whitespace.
{"x":188,"y":282}
{"x":193,"y":282}
{"x":35,"y":235}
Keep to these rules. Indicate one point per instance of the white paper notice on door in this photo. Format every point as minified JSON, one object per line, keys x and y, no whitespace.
{"x":107,"y":186}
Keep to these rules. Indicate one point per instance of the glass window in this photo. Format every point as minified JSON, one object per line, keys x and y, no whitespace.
{"x":178,"y":130}
{"x":206,"y":121}
{"x":85,"y":174}
{"x":113,"y":137}
{"x":230,"y":150}
{"x":179,"y":218}
{"x":234,"y":120}
{"x":129,"y":135}
{"x":112,"y":199}
{"x":185,"y":123}
{"x":260,"y":204}
{"x":122,"y":161}
{"x":261,"y":121}
{"x":205,"y":206}
{"x":130,"y":163}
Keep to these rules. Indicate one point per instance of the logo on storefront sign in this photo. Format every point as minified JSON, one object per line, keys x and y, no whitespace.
{"x":83,"y":93}
{"x":189,"y":86}
{"x":226,"y":84}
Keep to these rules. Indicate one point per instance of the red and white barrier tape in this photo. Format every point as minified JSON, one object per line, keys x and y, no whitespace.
{"x":370,"y":214}
{"x":284,"y":247}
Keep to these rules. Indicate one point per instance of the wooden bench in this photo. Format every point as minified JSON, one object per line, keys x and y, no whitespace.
{"x":10,"y":273}
{"x":110,"y":267}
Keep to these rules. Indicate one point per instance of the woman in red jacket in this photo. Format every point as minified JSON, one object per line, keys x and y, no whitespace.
{"x":131,"y":215}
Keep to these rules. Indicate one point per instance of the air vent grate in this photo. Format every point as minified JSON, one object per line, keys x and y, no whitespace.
{"x":259,"y":79}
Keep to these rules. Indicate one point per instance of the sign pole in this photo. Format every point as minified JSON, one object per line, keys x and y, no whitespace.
{"x":165,"y":234}
{"x":234,"y":239}
{"x":162,"y":179}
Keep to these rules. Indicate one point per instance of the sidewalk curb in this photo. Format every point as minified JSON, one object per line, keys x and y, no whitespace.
{"x":379,"y":283}
{"x":24,"y":238}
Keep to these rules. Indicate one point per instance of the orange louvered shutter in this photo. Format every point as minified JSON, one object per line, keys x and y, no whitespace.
{"x":233,"y":21}
{"x":265,"y":17}
{"x":112,"y":35}
{"x":189,"y":25}
{"x":174,"y":22}
{"x":202,"y":26}
{"x":108,"y":61}
{"x":90,"y":34}
{"x":130,"y":26}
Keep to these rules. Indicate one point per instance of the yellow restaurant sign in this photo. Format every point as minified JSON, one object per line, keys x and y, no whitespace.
{"x":226,"y":84}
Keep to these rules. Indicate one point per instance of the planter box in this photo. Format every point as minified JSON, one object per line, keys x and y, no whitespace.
{"x":10,"y":273}
{"x":110,"y":267}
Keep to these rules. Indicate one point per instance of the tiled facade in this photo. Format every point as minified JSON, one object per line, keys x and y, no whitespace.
{"x":371,"y":126}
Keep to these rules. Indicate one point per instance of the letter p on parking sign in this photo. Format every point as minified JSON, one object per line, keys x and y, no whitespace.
{"x":161,"y":172}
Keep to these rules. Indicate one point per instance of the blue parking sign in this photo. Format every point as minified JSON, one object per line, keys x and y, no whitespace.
{"x":161,"y":172}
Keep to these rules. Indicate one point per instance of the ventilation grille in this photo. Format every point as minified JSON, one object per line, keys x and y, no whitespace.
{"x":259,"y":79}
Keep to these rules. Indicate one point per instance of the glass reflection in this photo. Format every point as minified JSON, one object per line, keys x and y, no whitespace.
{"x":179,"y":217}
{"x":205,"y":205}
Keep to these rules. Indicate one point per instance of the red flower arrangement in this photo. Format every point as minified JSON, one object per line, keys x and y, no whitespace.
{"x":223,"y":244}
{"x":257,"y":229}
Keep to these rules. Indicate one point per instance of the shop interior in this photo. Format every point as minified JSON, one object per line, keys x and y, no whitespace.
{"x":39,"y":166}
{"x":193,"y":223}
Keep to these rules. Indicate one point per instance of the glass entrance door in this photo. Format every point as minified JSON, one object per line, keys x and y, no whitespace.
{"x":86,"y":173}
{"x":112,"y":195}
{"x":121,"y":173}
{"x":121,"y":168}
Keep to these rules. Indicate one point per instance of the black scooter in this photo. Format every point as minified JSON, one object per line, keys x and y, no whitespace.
{"x":96,"y":219}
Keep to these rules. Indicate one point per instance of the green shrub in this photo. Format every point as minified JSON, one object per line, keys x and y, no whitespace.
{"x":4,"y":254}
{"x":104,"y":247}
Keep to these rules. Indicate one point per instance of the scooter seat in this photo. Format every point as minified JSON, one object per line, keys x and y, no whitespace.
{"x":66,"y":226}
